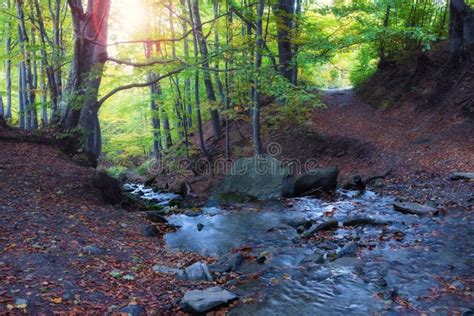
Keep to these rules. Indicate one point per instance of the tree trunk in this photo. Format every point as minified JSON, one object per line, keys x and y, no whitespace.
{"x":44,"y":97}
{"x":34,"y":82}
{"x":228,"y":63}
{"x":90,"y":55}
{"x":28,"y":89}
{"x":54,"y":86}
{"x":177,"y":102}
{"x":202,"y":144}
{"x":258,"y":66}
{"x":2,"y":109}
{"x":284,"y":14}
{"x":220,"y":88}
{"x":155,"y":120}
{"x":167,"y":130}
{"x":461,"y":31}
{"x":382,"y":40}
{"x":21,"y":100}
{"x":197,"y":28}
{"x":8,"y":66}
{"x":294,"y":77}
{"x":58,"y":49}
{"x":155,"y":91}
{"x":251,"y":64}
{"x":187,"y":81}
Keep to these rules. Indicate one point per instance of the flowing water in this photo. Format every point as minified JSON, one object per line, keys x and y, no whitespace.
{"x":413,"y":264}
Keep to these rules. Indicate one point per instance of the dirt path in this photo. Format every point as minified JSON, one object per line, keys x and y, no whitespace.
{"x":423,"y":148}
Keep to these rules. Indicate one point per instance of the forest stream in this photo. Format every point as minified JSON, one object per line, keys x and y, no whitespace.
{"x":280,"y":157}
{"x":376,"y":260}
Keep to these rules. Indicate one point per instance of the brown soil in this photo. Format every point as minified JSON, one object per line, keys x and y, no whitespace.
{"x":49,"y":211}
{"x":421,"y":147}
{"x":425,"y":81}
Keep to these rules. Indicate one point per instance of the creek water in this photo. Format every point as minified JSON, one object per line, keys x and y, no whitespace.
{"x":412,"y":264}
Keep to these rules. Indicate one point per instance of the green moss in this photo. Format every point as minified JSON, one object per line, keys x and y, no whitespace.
{"x":116,"y":171}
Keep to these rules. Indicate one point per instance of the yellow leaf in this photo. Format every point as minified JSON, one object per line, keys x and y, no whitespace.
{"x":57,"y":300}
{"x":21,"y":306}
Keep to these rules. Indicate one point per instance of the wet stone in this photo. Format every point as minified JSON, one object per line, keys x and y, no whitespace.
{"x":348,"y":250}
{"x":463,"y":176}
{"x":133,"y":310}
{"x":315,"y":258}
{"x":21,"y":303}
{"x":178,"y":273}
{"x":457,"y":285}
{"x":296,"y":222}
{"x":201,"y":301}
{"x":261,"y":259}
{"x":93,"y":250}
{"x":328,"y":225}
{"x":414,"y":208}
{"x":193,"y":213}
{"x":228,"y":263}
{"x":300,"y":229}
{"x":198,"y":272}
{"x":68,"y":295}
{"x":327,"y":245}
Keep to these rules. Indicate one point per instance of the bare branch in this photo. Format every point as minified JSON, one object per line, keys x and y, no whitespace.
{"x":138,"y":85}
{"x":145,"y":64}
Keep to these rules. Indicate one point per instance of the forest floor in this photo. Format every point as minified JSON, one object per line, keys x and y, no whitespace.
{"x":64,"y":250}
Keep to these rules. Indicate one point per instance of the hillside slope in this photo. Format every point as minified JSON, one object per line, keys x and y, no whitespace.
{"x":424,"y":81}
{"x":63,"y":250}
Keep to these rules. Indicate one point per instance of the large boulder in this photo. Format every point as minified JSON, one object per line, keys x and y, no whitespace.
{"x":260,"y":177}
{"x":317,"y":180}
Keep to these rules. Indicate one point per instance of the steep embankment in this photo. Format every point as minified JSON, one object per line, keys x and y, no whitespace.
{"x":425,"y":81}
{"x":421,"y":148}
{"x":63,"y":249}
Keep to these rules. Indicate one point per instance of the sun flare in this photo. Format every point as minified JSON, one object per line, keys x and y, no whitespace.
{"x":131,"y":17}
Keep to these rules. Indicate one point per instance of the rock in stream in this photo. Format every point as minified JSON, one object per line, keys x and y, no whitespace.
{"x":414,"y":208}
{"x":201,"y":301}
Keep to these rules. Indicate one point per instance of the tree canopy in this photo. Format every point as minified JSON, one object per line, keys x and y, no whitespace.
{"x":155,"y":72}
